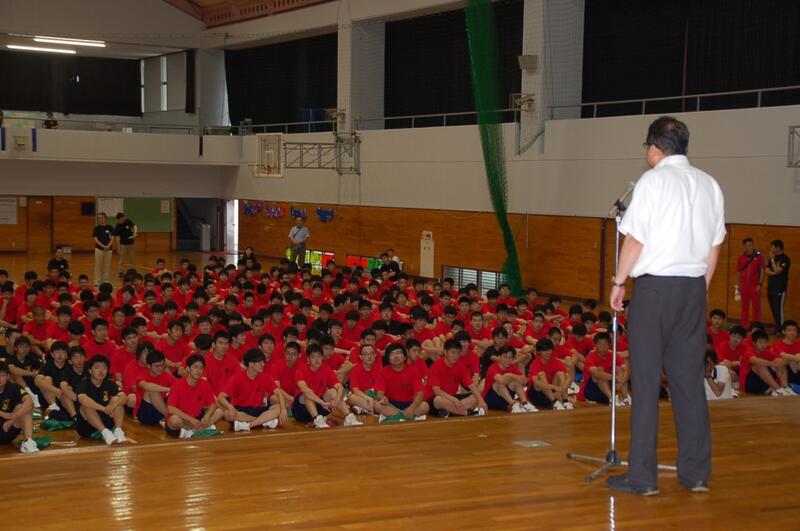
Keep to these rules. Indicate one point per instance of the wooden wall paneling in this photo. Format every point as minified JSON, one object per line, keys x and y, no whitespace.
{"x":15,"y":237}
{"x":69,"y":226}
{"x":155,"y":242}
{"x":40,"y":224}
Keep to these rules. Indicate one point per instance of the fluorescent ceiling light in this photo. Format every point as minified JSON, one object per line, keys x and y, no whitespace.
{"x":67,"y":40}
{"x":39,"y":49}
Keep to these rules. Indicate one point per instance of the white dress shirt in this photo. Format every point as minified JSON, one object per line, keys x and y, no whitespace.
{"x":677,"y":212}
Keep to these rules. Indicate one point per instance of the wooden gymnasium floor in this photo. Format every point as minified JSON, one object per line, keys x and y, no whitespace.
{"x":438,"y":474}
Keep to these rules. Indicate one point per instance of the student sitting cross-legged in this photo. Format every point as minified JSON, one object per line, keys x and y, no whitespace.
{"x":788,"y":348}
{"x":102,"y":404}
{"x":505,"y":384}
{"x":597,"y":374}
{"x":549,"y":379}
{"x":152,"y":387}
{"x":245,"y":398}
{"x":444,"y":379}
{"x":321,"y":393}
{"x":191,"y":405}
{"x":403,"y":389}
{"x":365,"y":380}
{"x":16,"y":407}
{"x":762,"y":370}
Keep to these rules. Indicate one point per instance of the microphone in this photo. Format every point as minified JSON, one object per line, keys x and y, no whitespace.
{"x":619,"y":204}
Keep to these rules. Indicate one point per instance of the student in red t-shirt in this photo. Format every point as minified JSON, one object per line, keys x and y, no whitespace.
{"x":365,"y":381}
{"x":715,"y":328}
{"x":579,"y":345}
{"x":321,"y":393}
{"x":175,"y":349}
{"x":283,"y":372}
{"x":98,"y":344}
{"x":36,"y":331}
{"x":468,"y":358}
{"x":152,"y":389}
{"x":191,"y":405}
{"x":403,"y":389}
{"x":133,"y":372}
{"x":788,"y":348}
{"x":220,"y":366}
{"x":564,"y":354}
{"x":762,"y":370}
{"x":444,"y":379}
{"x":549,"y":379}
{"x":124,"y":355}
{"x":730,"y":352}
{"x":246,"y":397}
{"x":431,"y":344}
{"x":503,"y":381}
{"x":597,"y":374}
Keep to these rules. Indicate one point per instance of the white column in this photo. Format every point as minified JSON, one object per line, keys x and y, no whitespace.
{"x":212,"y":94}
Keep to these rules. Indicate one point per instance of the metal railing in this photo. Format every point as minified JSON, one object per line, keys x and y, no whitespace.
{"x":688,"y":102}
{"x":118,"y":126}
{"x":313,"y":126}
{"x":430,"y":120}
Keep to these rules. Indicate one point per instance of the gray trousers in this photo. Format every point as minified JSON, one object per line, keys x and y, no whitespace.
{"x":667,"y":329}
{"x":298,"y":254}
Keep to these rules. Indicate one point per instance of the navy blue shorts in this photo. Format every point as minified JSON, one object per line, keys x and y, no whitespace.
{"x":400,"y":404}
{"x":8,"y":436}
{"x":539,"y":399}
{"x":86,"y":430}
{"x":593,"y":393}
{"x":301,"y":413}
{"x":252,"y":411}
{"x":148,"y":414}
{"x":793,"y":377}
{"x":495,"y":401}
{"x":755,"y":385}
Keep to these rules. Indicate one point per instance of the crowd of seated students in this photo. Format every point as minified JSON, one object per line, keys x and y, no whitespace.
{"x":189,"y":348}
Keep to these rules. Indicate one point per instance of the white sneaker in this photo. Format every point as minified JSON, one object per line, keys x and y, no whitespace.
{"x":788,"y":391}
{"x":360,"y":410}
{"x":272,"y":424}
{"x":777,"y":393}
{"x":351,"y":420}
{"x":241,"y":426}
{"x":529,"y":408}
{"x":185,"y":434}
{"x":626,"y":400}
{"x":420,"y":417}
{"x":35,"y":399}
{"x":119,"y":435}
{"x":567,"y":405}
{"x":573,"y":389}
{"x":108,"y":437}
{"x":28,"y":447}
{"x":619,"y":402}
{"x":321,"y":422}
{"x":381,"y":418}
{"x":517,"y":408}
{"x":481,"y":412}
{"x":53,"y":407}
{"x":558,"y":406}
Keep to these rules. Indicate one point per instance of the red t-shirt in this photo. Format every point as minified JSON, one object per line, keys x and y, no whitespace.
{"x":174,"y":353}
{"x":218,"y":372}
{"x":720,"y":337}
{"x":750,"y":268}
{"x":725,"y":352}
{"x":403,"y":385}
{"x":780,"y":346}
{"x":57,"y":333}
{"x":422,"y":369}
{"x":335,"y":361}
{"x":550,"y":369}
{"x":93,"y":348}
{"x":37,"y":330}
{"x":285,"y":376}
{"x":131,"y":375}
{"x":120,"y":360}
{"x":746,"y":365}
{"x":318,"y":381}
{"x":191,"y":399}
{"x":471,"y":362}
{"x":561,"y":352}
{"x":447,"y":377}
{"x":363,"y":380}
{"x":164,"y":379}
{"x":423,"y":335}
{"x":238,"y":352}
{"x":496,"y":369}
{"x":583,"y":346}
{"x":536,"y":334}
{"x":594,"y":360}
{"x":484,"y":334}
{"x":249,"y":392}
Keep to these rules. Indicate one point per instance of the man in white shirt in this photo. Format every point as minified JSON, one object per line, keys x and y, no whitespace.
{"x":298,"y":236}
{"x":673,"y":229}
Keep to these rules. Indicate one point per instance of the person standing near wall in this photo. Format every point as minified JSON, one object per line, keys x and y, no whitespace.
{"x":777,"y":281}
{"x":298,"y":236}
{"x":125,"y":233}
{"x":102,"y":235}
{"x":750,"y":267}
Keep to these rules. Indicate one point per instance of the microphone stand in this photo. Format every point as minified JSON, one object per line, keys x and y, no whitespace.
{"x":612,"y":458}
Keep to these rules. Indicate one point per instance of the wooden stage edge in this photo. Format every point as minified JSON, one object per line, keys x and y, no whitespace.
{"x":439,"y":474}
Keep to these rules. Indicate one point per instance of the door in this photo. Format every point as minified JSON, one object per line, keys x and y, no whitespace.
{"x":40,"y":225}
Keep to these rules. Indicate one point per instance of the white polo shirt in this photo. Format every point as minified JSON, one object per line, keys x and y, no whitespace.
{"x":678,"y":213}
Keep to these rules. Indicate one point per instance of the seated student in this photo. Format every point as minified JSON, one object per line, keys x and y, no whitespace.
{"x":564,"y":354}
{"x":220,"y":365}
{"x":536,"y":330}
{"x":16,"y":407}
{"x":49,"y":379}
{"x":246,"y":397}
{"x":151,"y":390}
{"x":504,"y":380}
{"x":283,"y":372}
{"x":414,"y":359}
{"x":71,"y":377}
{"x":174,"y":348}
{"x":579,"y":345}
{"x":24,"y":365}
{"x":36,"y":331}
{"x":101,"y":404}
{"x":444,"y":379}
{"x":597,"y":375}
{"x":548,"y":381}
{"x":468,"y":358}
{"x":729,"y":353}
{"x":490,"y":353}
{"x":365,"y":380}
{"x":125,"y":354}
{"x":191,"y":405}
{"x":133,"y":372}
{"x":716,"y":327}
{"x":763,"y":371}
{"x":321,"y":393}
{"x":431,"y":344}
{"x":788,"y":348}
{"x":402,"y":388}
{"x":99,"y":344}
{"x":717,"y":379}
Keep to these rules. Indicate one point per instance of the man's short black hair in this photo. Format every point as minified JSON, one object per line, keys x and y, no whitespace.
{"x":669,"y":135}
{"x":544,"y":344}
{"x":778,"y":244}
{"x":253,"y":356}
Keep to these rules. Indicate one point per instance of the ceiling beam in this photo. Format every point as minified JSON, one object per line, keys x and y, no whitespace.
{"x":187,"y":7}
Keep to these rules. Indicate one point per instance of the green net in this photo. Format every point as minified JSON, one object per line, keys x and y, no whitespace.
{"x":483,"y":54}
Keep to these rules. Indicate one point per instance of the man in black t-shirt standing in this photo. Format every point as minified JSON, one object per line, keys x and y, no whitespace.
{"x":101,"y":404}
{"x":125,"y":233}
{"x":103,"y":234}
{"x":777,"y":281}
{"x":16,"y":407}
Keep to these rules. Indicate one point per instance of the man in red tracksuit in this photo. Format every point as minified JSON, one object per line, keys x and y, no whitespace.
{"x":750,"y":267}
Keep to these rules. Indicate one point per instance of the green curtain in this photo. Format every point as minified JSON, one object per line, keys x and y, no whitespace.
{"x":481,"y":34}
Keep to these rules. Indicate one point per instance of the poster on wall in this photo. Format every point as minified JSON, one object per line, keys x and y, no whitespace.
{"x":8,"y":210}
